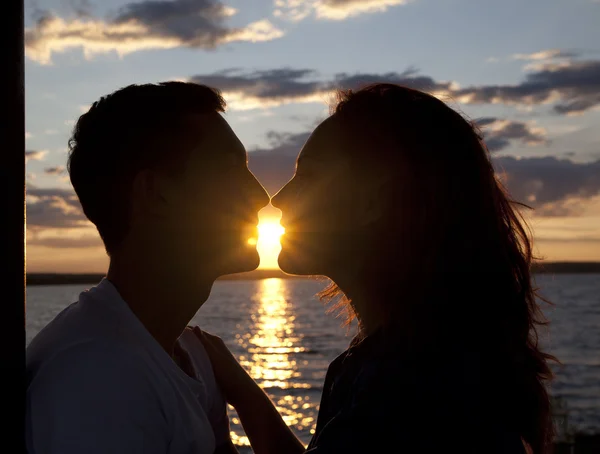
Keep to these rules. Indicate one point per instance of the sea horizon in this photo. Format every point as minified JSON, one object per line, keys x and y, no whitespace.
{"x":540,"y":267}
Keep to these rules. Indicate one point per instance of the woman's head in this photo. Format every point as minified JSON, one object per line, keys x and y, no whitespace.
{"x":394,"y":177}
{"x":398,"y":190}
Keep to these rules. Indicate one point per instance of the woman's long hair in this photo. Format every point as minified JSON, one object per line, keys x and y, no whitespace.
{"x":452,"y":256}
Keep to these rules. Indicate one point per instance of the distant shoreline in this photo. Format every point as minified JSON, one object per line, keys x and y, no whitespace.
{"x":92,"y":278}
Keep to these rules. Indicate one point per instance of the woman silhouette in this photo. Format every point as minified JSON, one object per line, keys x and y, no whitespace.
{"x":395,"y":199}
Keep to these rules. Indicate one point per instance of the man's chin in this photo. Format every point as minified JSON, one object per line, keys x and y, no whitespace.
{"x":242,"y":262}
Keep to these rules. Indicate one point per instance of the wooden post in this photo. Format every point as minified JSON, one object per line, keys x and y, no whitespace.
{"x":12,"y":228}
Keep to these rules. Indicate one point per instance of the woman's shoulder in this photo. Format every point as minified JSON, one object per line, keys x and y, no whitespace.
{"x":453,"y":375}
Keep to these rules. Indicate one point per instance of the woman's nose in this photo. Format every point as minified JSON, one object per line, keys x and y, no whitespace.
{"x":277,"y":199}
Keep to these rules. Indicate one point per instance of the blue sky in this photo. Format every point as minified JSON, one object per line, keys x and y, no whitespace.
{"x":529,"y":69}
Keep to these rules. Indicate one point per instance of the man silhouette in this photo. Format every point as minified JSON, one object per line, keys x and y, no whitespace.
{"x":165,"y":181}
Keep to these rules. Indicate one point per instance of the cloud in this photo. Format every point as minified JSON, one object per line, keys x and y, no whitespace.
{"x":28,"y":135}
{"x":54,"y":207}
{"x":573,"y":88}
{"x":410,"y":78}
{"x":85,"y":241}
{"x":297,"y":10}
{"x":499,"y":133}
{"x":275,"y":165}
{"x":548,"y":54}
{"x":555,"y":187}
{"x":150,"y":24}
{"x":538,"y":59}
{"x":265,"y":88}
{"x":269,"y":88}
{"x":342,"y":9}
{"x":57,"y":171}
{"x":35,"y":155}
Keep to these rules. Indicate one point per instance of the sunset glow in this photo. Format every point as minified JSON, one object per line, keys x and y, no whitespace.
{"x":268,"y":244}
{"x":533,"y":97}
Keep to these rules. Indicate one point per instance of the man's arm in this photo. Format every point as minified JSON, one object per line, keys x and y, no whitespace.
{"x":94,"y":398}
{"x":193,"y":360}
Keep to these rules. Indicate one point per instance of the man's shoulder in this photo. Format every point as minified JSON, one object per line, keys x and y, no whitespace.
{"x":86,"y":331}
{"x":89,"y":359}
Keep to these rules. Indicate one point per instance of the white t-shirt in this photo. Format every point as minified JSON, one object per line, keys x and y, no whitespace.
{"x":98,"y":382}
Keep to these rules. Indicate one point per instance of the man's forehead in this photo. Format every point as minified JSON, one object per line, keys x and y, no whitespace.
{"x":214,"y":140}
{"x":209,"y":125}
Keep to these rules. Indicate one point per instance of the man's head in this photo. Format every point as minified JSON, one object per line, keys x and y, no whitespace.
{"x":158,"y":167}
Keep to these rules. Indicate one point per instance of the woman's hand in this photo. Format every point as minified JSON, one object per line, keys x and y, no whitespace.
{"x":233,"y":380}
{"x":267,"y":431}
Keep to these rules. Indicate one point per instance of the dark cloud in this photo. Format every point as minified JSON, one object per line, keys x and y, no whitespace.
{"x":549,"y":183}
{"x":286,"y":85}
{"x":574,"y":86}
{"x":54,"y":207}
{"x":410,"y":78}
{"x":272,"y":86}
{"x":499,"y":133}
{"x":58,"y":170}
{"x":150,"y":24}
{"x":197,"y":23}
{"x":35,"y":155}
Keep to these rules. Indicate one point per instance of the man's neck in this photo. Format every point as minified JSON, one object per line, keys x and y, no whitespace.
{"x":163,"y":302}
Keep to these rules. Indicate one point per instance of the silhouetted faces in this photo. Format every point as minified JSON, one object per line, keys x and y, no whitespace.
{"x":211,"y":206}
{"x":161,"y":174}
{"x":327,"y":207}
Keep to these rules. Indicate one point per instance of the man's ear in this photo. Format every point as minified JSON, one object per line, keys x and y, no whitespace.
{"x":151,"y":193}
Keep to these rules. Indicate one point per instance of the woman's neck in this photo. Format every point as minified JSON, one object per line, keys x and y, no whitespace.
{"x":369,"y":315}
{"x":365,"y":303}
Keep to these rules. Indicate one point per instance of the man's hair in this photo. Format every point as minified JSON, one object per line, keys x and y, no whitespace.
{"x":135,"y":128}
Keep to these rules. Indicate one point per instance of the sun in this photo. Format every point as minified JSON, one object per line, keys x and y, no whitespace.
{"x":268,"y":244}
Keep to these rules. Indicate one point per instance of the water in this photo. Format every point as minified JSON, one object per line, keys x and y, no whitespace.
{"x":281,"y":334}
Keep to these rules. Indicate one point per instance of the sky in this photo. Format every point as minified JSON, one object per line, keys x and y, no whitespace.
{"x":528,"y":72}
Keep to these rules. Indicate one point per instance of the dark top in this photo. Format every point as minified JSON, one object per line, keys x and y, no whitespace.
{"x":376,"y":399}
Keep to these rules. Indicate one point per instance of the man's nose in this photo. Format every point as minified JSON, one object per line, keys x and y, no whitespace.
{"x":278,"y":199}
{"x":260,"y":196}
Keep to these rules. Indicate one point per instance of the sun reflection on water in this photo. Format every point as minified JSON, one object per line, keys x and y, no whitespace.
{"x":270,"y":364}
{"x":272,"y":347}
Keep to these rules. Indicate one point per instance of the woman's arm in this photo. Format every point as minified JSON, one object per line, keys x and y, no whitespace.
{"x":226,"y":448}
{"x":264,"y":426}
